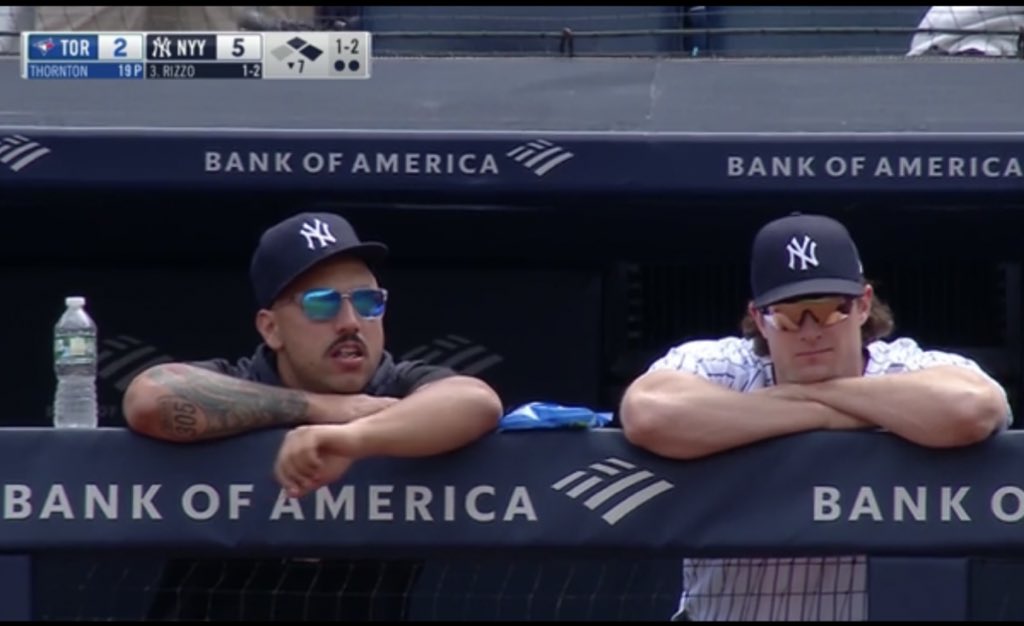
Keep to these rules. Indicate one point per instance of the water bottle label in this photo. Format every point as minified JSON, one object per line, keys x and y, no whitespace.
{"x":74,"y":348}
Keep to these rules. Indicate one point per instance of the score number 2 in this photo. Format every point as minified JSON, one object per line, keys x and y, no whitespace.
{"x":121,"y":47}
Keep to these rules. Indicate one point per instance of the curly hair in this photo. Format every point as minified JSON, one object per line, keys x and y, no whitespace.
{"x":879,"y":324}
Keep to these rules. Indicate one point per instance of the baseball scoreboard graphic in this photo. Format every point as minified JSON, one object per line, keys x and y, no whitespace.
{"x":191,"y":56}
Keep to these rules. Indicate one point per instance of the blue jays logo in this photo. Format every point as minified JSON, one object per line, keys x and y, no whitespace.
{"x":45,"y":45}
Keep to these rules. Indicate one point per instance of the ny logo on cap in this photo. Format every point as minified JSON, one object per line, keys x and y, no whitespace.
{"x":318,"y":230}
{"x":804,"y":251}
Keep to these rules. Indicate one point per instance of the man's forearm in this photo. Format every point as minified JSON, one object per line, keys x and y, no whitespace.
{"x":179,"y":402}
{"x":446,"y":415}
{"x":678,"y":415}
{"x":940,"y":406}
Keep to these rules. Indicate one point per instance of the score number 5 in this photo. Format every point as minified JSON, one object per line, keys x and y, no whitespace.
{"x":239,"y":48}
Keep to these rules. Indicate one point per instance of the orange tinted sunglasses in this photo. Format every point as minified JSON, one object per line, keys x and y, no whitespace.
{"x":789,"y":316}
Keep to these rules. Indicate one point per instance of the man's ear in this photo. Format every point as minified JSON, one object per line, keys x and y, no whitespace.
{"x":266,"y":324}
{"x":755,"y":315}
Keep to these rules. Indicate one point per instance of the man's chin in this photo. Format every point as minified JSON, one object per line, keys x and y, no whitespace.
{"x":340,"y":382}
{"x":351,"y":383}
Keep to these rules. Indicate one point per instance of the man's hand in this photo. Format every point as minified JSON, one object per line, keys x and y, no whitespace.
{"x":313,"y":456}
{"x":341,"y":409}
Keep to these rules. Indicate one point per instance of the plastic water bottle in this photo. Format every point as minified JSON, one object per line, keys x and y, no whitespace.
{"x":74,"y":362}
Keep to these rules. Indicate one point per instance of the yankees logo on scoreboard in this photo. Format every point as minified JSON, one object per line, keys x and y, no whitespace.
{"x":203,"y":55}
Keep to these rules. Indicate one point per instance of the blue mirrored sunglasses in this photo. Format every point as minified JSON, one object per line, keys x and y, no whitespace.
{"x":321,"y":305}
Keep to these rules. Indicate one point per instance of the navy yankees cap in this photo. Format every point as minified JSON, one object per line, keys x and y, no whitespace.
{"x":803,"y":255}
{"x":292,"y":246}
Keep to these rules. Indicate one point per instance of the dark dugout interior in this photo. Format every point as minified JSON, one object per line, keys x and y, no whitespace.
{"x":570,"y":296}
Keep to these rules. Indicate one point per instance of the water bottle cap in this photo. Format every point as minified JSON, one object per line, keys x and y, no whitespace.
{"x":74,"y":301}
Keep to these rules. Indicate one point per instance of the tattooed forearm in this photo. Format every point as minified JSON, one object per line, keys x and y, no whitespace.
{"x":178,"y":417}
{"x":199,"y":404}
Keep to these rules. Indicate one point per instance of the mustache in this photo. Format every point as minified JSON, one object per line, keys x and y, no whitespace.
{"x":349,"y":338}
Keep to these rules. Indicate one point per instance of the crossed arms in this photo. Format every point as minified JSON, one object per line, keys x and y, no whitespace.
{"x":184,"y":403}
{"x":681,"y":415}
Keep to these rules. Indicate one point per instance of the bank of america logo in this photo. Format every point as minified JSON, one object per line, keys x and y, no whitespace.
{"x":540,"y":156}
{"x":613,"y":487}
{"x":18,"y":152}
{"x":122,"y":358}
{"x":456,"y":352}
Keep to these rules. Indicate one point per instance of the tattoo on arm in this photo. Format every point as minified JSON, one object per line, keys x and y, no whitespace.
{"x":204,"y":405}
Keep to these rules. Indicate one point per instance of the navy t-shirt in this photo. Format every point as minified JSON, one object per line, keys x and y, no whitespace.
{"x":240,"y":588}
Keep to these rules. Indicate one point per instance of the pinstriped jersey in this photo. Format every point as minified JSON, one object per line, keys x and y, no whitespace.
{"x":794,"y":589}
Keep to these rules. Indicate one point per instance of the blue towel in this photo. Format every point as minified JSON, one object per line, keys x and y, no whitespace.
{"x":540,"y":415}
